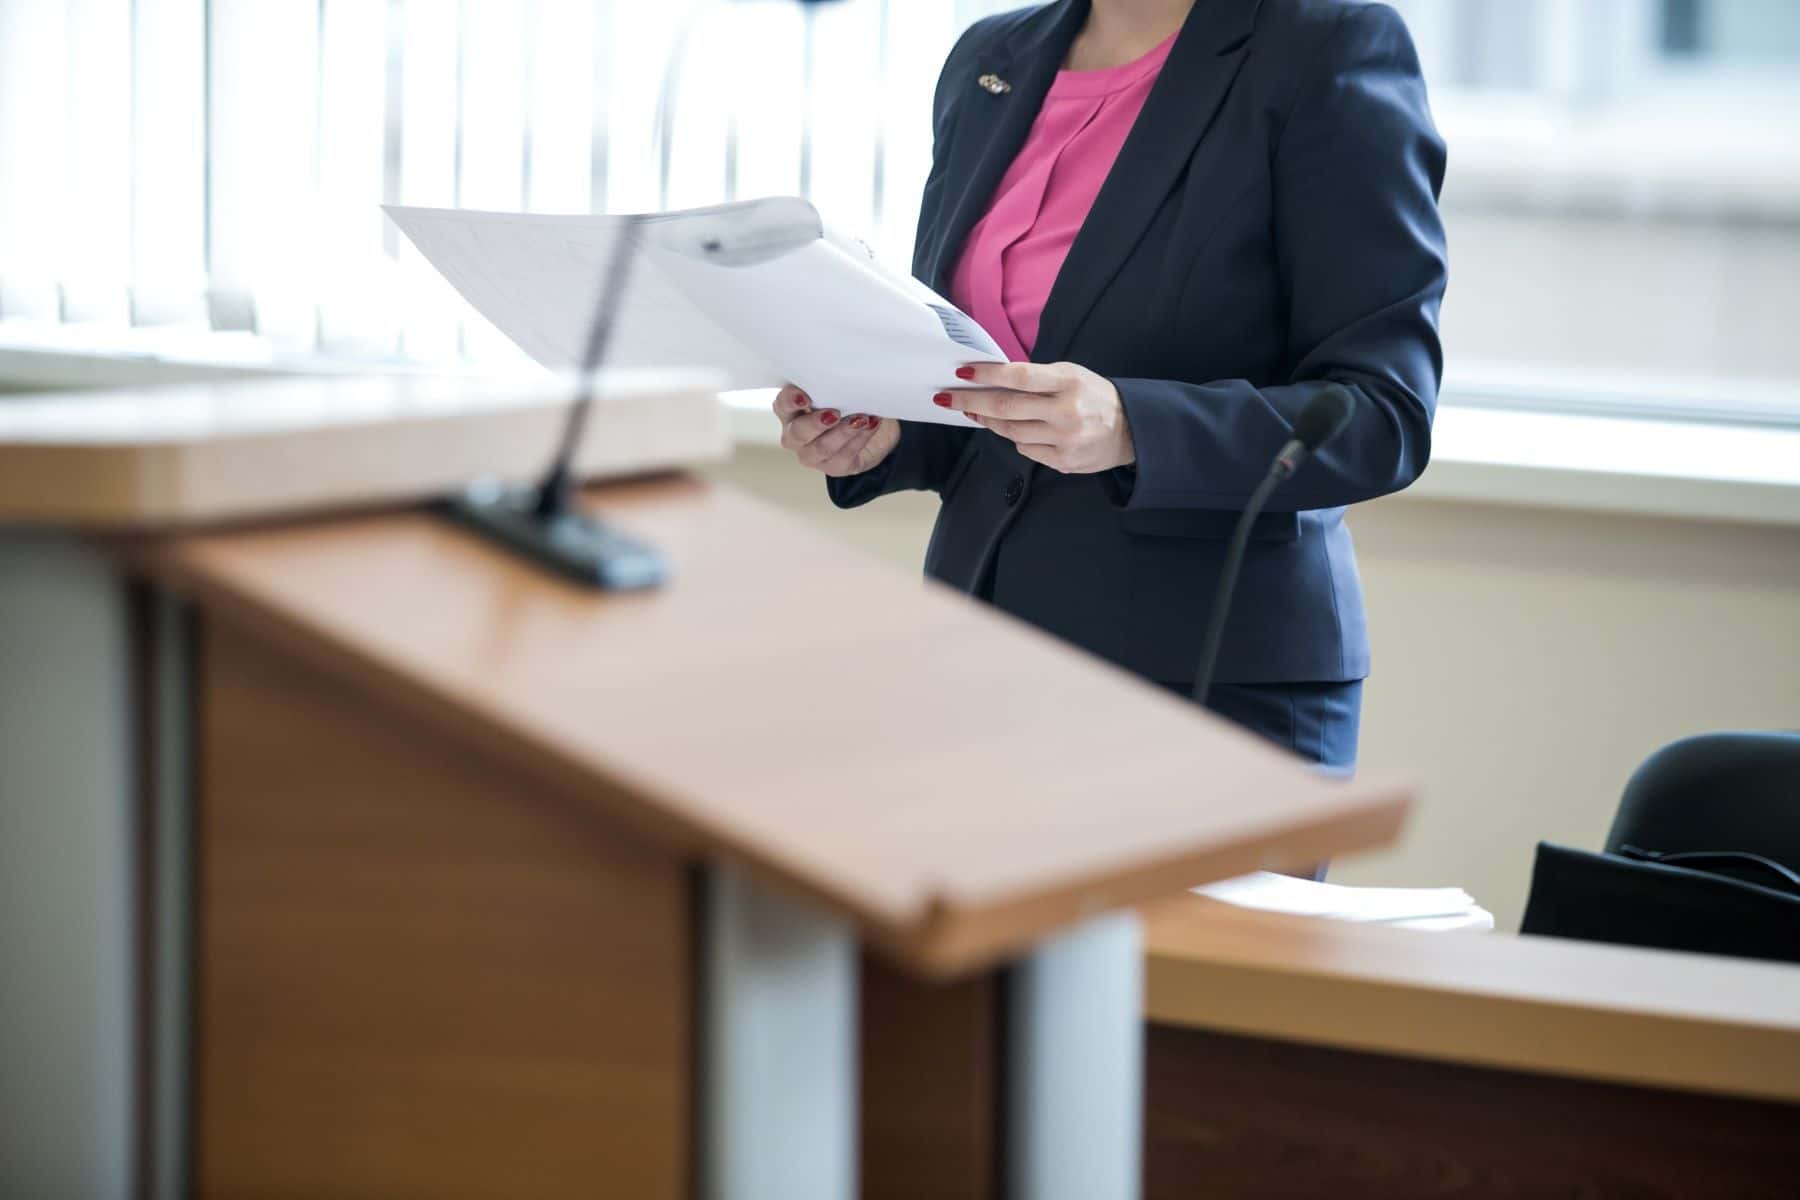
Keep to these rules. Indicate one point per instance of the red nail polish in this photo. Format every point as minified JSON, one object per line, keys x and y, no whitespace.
{"x":965,"y":372}
{"x":802,"y":399}
{"x":828,"y":417}
{"x":859,"y":422}
{"x":942,"y":399}
{"x":874,"y":421}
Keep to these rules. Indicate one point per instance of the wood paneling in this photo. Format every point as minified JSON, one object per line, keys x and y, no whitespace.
{"x":417,"y":975}
{"x":930,"y":1066}
{"x":1253,"y":1119}
{"x":1614,"y":1013}
{"x":957,"y":783}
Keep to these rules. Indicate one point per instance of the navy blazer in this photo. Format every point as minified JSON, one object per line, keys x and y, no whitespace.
{"x":1270,"y":227}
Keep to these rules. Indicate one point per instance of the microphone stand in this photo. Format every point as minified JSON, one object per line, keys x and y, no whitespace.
{"x":1323,"y":418}
{"x":1234,"y":559}
{"x":543,"y":522}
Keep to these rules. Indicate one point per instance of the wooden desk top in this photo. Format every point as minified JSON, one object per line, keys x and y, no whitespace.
{"x":188,"y":454}
{"x":956,"y":782}
{"x":1651,"y":1018}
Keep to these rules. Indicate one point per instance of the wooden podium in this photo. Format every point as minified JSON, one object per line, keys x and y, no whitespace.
{"x":417,"y":872}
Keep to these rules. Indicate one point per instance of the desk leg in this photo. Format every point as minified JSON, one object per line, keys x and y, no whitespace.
{"x":778,"y":1023}
{"x":67,"y":850}
{"x":1074,"y":1065}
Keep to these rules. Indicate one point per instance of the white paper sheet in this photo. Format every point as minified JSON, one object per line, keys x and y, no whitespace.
{"x":760,"y":290}
{"x":1417,"y":908}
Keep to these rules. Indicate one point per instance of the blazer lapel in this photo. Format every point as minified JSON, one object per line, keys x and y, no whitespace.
{"x":991,"y":128}
{"x":1194,"y":81}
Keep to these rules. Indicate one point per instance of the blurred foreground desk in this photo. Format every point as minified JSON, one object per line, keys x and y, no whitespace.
{"x":411,"y":871}
{"x":1290,"y":1057}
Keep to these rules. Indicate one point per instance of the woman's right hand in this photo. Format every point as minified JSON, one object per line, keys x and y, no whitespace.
{"x":829,"y":442}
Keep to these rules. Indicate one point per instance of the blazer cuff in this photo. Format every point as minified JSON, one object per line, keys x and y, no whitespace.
{"x":902,"y":470}
{"x":852,"y":491}
{"x":1164,"y":474}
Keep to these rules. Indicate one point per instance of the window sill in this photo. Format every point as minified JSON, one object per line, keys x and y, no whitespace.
{"x":1685,"y":470}
{"x":1662,"y":466}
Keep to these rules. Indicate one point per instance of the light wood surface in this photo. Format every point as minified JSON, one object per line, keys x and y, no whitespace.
{"x":198,"y":453}
{"x":1647,"y":1018}
{"x":957,"y":783}
{"x":418,"y":976}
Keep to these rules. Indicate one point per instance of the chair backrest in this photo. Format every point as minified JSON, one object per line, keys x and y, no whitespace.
{"x":1737,"y":791}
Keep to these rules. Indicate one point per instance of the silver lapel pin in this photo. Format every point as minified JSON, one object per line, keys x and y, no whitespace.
{"x":995,"y":84}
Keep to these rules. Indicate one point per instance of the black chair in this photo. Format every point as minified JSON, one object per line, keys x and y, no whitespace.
{"x":1717,"y":791}
{"x":1704,"y":855}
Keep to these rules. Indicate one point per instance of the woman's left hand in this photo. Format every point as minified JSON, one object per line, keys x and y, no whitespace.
{"x":1060,"y":414}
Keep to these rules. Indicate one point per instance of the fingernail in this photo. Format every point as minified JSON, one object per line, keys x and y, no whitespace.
{"x":859,"y":422}
{"x":828,"y":417}
{"x":874,"y":421}
{"x":942,"y":399}
{"x":965,"y":372}
{"x":802,"y":399}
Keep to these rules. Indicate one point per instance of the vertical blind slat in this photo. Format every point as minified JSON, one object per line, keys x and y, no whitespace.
{"x":919,"y":34}
{"x":429,"y":54}
{"x":493,"y":108}
{"x":354,"y":306}
{"x":264,"y":167}
{"x":96,"y":207}
{"x":843,"y":110}
{"x":33,"y":137}
{"x":766,"y":98}
{"x":562,"y":98}
{"x":168,"y":162}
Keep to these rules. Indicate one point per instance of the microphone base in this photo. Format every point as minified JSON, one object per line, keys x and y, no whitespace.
{"x":568,"y":542}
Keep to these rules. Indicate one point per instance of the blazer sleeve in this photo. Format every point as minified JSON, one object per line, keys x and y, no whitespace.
{"x":926,"y":453}
{"x":1356,"y":173}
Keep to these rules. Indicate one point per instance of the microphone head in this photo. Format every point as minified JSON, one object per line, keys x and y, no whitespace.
{"x":1324,"y":417}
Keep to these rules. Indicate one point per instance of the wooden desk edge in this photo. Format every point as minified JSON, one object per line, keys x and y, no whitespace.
{"x":1565,"y":1008}
{"x":940,"y":937}
{"x":956,"y":936}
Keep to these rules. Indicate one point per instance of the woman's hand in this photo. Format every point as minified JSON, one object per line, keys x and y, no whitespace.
{"x":823,"y":440}
{"x":1059,"y":414}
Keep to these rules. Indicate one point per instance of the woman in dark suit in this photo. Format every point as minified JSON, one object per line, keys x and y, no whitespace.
{"x":1185,"y":218}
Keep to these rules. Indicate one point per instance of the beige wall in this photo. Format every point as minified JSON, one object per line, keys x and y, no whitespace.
{"x":1525,"y":660}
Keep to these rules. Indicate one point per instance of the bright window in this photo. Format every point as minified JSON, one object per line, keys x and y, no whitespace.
{"x":1624,"y":194}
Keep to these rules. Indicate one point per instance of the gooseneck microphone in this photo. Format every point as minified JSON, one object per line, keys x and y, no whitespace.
{"x":543,"y":522}
{"x":1323,"y":418}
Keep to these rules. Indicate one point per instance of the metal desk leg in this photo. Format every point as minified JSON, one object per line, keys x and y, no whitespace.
{"x":778,"y":1017}
{"x":67,"y":880}
{"x":1075,"y":1065}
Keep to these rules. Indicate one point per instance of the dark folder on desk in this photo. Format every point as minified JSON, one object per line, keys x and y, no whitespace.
{"x":1638,"y":902}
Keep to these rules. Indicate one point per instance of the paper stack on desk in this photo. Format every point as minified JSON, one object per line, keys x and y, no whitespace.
{"x":761,"y":290}
{"x":1441,"y":909}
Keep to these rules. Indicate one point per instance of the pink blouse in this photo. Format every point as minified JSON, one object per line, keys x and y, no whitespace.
{"x":1013,"y":254}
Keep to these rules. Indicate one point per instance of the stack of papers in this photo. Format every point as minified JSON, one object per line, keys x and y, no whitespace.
{"x":1439,"y":909}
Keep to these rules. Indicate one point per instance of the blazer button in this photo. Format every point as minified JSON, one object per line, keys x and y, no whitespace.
{"x":1015,"y":487}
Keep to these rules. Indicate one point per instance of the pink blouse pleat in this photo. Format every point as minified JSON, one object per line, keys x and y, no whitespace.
{"x":1013,"y":254}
